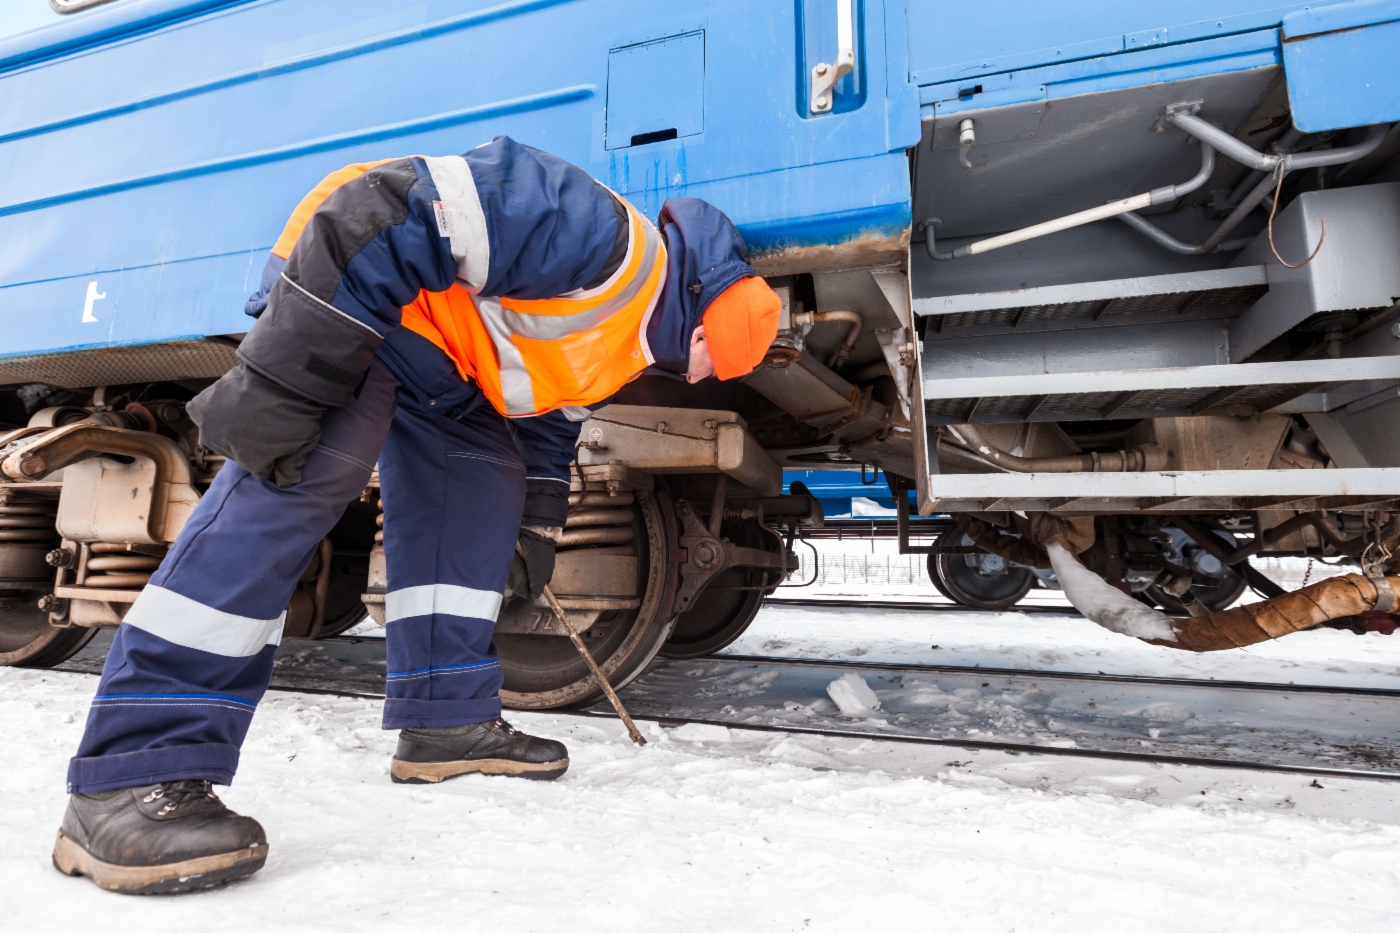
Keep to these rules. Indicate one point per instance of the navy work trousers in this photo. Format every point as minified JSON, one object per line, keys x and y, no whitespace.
{"x":194,"y":655}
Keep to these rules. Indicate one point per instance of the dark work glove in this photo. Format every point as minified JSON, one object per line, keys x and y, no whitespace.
{"x":266,"y":429}
{"x":532,"y":565}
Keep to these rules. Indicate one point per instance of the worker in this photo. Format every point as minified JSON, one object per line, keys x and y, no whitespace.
{"x":450,"y":319}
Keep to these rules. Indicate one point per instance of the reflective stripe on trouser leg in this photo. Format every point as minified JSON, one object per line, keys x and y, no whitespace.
{"x":453,"y":492}
{"x":194,"y":654}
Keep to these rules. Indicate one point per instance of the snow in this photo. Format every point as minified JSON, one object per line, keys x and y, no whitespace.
{"x":1052,"y":642}
{"x":715,"y":828}
{"x":760,"y":832}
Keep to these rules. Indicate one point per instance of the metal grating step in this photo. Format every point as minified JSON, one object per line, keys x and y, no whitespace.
{"x":1243,"y":388}
{"x":1089,"y":302}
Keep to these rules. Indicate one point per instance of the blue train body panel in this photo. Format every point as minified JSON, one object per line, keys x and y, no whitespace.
{"x":150,"y":150}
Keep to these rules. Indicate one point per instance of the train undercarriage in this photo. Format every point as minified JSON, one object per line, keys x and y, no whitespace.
{"x":1175,"y":394}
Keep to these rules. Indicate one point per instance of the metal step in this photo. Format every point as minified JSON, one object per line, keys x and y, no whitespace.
{"x":1224,"y":292}
{"x":1231,"y":389}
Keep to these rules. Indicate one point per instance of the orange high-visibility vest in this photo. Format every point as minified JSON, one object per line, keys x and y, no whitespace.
{"x":533,"y":357}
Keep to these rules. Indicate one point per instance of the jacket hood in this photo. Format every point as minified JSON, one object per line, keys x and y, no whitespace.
{"x":704,"y":256}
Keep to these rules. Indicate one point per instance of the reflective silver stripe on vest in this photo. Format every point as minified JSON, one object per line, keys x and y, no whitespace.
{"x":501,"y":323}
{"x":517,"y":391}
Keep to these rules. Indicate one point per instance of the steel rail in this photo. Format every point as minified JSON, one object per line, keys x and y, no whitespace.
{"x":1012,"y":748}
{"x":910,"y":606}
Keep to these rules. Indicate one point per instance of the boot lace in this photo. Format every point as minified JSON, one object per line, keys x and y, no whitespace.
{"x":176,"y":793}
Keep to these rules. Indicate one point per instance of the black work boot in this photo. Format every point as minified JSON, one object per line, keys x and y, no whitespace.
{"x":159,"y":839}
{"x":427,"y":756}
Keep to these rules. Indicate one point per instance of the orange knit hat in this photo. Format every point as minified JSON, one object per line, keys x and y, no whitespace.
{"x":740,"y":325}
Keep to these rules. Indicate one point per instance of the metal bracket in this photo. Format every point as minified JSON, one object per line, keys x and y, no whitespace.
{"x":1190,"y":107}
{"x":826,"y":74}
{"x":707,"y":556}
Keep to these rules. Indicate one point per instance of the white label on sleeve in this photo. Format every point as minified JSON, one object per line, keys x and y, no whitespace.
{"x":441,"y":215}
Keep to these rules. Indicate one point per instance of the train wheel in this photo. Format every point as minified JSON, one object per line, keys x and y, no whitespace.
{"x":728,"y":605}
{"x":978,"y":581}
{"x":1215,"y":597}
{"x":26,"y":637}
{"x":544,"y":671}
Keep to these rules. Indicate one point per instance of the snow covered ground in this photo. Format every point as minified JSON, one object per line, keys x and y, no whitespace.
{"x":709,"y":828}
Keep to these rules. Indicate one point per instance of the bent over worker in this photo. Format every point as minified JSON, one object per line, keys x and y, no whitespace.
{"x":447,"y":318}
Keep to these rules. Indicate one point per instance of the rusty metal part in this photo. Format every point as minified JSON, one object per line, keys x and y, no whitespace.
{"x":706,"y":556}
{"x":103,"y":500}
{"x":598,"y":675}
{"x":110,"y":566}
{"x":373,"y":596}
{"x":608,"y":534}
{"x":1017,"y":550}
{"x":1301,"y":609}
{"x":592,"y":518}
{"x":1147,"y":458}
{"x":679,"y":440}
{"x":851,"y":317}
{"x":600,"y":500}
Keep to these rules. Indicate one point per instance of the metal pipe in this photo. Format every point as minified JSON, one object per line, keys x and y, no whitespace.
{"x":1241,"y":211}
{"x":1165,"y":239}
{"x":1137,"y":202}
{"x":1247,"y":155}
{"x":851,"y":317}
{"x":1138,"y":460}
{"x":1280,"y":146}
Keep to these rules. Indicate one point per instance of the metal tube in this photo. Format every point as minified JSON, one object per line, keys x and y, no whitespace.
{"x":1375,"y":135}
{"x":1218,"y":139}
{"x":1137,"y":460}
{"x":1172,"y":192}
{"x":1247,"y":155}
{"x":1237,"y":216}
{"x":851,"y":317}
{"x":1163,"y":238}
{"x":1112,"y":209}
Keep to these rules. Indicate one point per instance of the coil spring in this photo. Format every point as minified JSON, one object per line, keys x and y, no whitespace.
{"x":113,"y":567}
{"x":600,"y":520}
{"x":28,"y":524}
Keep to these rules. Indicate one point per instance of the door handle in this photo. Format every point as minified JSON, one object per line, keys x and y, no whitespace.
{"x":825,"y":75}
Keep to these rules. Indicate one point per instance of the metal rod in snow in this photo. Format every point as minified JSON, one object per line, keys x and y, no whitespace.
{"x":593,"y":666}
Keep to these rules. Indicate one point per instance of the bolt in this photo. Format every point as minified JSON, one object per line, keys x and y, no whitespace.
{"x":822,"y":69}
{"x":710,"y":423}
{"x":32,"y":465}
{"x":59,"y":557}
{"x":50,"y":603}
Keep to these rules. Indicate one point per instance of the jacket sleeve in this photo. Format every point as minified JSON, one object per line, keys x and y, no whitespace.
{"x":371,"y":245}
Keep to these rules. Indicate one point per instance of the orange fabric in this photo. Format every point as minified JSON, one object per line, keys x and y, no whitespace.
{"x":307,"y":206}
{"x":740,"y":326}
{"x":579,"y":368}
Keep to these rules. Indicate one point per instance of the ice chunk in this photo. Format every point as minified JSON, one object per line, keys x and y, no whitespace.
{"x":852,"y":695}
{"x":1101,"y":603}
{"x":700,"y":732}
{"x":1166,"y":712}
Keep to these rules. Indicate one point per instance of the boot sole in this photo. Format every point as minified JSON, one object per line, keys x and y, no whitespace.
{"x":434,"y":772}
{"x":194,"y":874}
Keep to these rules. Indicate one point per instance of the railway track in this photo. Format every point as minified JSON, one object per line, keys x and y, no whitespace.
{"x":1309,"y":730}
{"x":929,"y":605}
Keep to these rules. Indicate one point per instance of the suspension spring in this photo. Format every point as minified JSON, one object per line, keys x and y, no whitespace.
{"x":32,"y":523}
{"x":600,"y":521}
{"x":115,"y":567}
